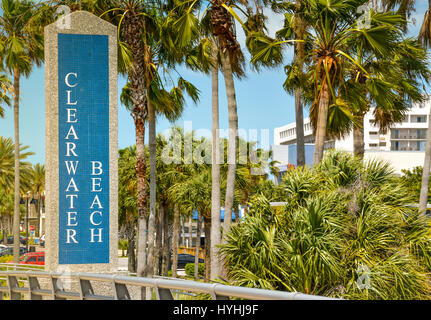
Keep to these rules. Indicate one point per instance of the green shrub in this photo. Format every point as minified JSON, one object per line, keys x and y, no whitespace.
{"x":348,"y":231}
{"x":123,"y":244}
{"x":5,"y":259}
{"x":190,"y":269}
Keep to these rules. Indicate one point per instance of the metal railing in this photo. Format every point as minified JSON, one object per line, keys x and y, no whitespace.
{"x":20,"y":283}
{"x":17,"y":266}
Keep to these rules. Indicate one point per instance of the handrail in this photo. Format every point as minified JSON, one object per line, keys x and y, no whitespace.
{"x":163,"y":288}
{"x":17,"y":266}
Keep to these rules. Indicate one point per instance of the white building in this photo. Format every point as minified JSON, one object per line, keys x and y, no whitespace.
{"x":403,"y":145}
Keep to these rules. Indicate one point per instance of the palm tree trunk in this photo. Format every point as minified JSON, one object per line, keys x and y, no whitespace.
{"x":197,"y":247}
{"x":299,"y":55}
{"x":233,"y":139}
{"x":131,"y":257}
{"x":166,"y":243}
{"x":299,"y":114}
{"x":132,"y":31}
{"x":183,"y":231}
{"x":141,"y":168}
{"x":16,"y":211}
{"x":190,"y":240}
{"x":358,"y":138}
{"x":175,"y":239}
{"x":207,"y":230}
{"x":152,"y":216}
{"x":215,"y":170}
{"x":321,"y":123}
{"x":157,"y":251}
{"x":423,"y":198}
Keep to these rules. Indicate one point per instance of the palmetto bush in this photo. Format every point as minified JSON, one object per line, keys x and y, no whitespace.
{"x":348,"y":230}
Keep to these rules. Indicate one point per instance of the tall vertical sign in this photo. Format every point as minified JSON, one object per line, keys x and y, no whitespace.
{"x":81,"y":144}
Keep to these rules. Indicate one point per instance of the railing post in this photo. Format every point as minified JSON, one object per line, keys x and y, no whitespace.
{"x":162,"y":294}
{"x":12,"y":283}
{"x":120,"y":291}
{"x":85,"y":288}
{"x":56,"y":286}
{"x":33,"y":284}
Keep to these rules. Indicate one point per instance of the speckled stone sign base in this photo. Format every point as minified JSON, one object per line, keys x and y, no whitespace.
{"x":58,"y":219}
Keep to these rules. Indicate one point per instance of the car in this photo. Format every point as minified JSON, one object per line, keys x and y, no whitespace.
{"x":8,"y":251}
{"x":184,"y":258}
{"x":35,"y":258}
{"x":22,"y":240}
{"x":9,"y":240}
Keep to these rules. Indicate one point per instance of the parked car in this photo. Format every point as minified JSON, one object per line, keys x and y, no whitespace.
{"x":8,"y":251}
{"x":36,"y":258}
{"x":22,"y":240}
{"x":184,"y":258}
{"x":9,"y":240}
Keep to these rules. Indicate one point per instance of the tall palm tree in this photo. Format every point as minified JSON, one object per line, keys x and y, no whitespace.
{"x":231,"y":57}
{"x":215,"y":172}
{"x":425,"y":38}
{"x":21,"y":46}
{"x":295,"y":28}
{"x":130,"y":16}
{"x":218,"y":21}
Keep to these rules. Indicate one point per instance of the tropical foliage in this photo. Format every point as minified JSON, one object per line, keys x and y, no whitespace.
{"x":347,"y":230}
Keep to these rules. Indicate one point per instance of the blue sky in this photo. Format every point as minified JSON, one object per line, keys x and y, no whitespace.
{"x":262,"y":102}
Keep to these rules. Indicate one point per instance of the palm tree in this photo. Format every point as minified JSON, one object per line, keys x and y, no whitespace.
{"x":6,"y":88}
{"x":295,"y":28}
{"x":7,"y":172}
{"x":127,"y":197}
{"x":215,"y":174}
{"x":133,"y":22}
{"x":218,"y":20}
{"x":37,"y":188}
{"x":425,"y":38}
{"x":391,"y":85}
{"x":334,"y":28}
{"x":7,"y":162}
{"x":21,"y":45}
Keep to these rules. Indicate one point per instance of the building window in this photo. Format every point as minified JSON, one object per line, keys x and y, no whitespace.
{"x":373,"y":145}
{"x":374,"y":133}
{"x":421,"y":145}
{"x":419,"y":118}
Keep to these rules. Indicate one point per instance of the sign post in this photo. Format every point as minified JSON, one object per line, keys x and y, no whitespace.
{"x":81,"y":144}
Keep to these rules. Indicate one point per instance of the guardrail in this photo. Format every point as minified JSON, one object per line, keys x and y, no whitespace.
{"x":21,"y":267}
{"x":163,"y":288}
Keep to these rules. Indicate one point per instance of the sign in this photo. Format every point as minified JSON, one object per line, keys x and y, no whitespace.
{"x":31,"y":228}
{"x":81,"y":119}
{"x":83,"y":82}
